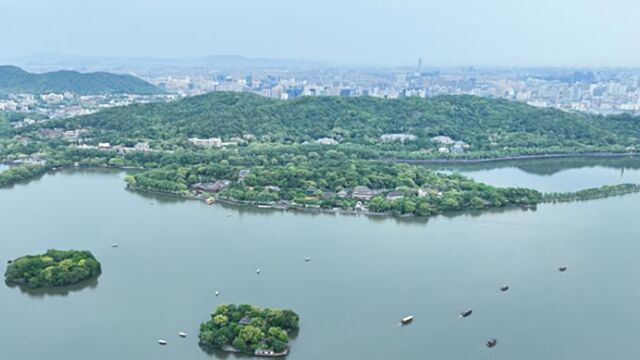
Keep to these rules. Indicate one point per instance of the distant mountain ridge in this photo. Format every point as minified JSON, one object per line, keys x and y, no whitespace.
{"x":48,"y":62}
{"x":16,"y":80}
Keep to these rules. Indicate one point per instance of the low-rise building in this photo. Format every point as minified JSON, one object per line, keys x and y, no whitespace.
{"x":443,"y":140}
{"x":212,"y":187}
{"x":327,"y":141}
{"x":210,"y":142}
{"x":142,"y":146}
{"x":362,"y":193}
{"x":243,"y":174}
{"x":395,"y":195}
{"x":398,"y":137}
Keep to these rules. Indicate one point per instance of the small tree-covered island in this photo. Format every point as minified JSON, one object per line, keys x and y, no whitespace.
{"x":53,"y":268}
{"x":249,"y":329}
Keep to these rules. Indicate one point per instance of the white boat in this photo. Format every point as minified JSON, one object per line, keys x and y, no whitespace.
{"x":406,"y":320}
{"x":115,"y":245}
{"x":307,"y":259}
{"x":162,"y":342}
{"x":217,"y":293}
{"x":258,"y":271}
{"x":182,"y":334}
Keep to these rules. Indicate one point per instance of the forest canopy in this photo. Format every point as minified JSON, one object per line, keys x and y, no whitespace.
{"x":53,"y":268}
{"x":246,"y":328}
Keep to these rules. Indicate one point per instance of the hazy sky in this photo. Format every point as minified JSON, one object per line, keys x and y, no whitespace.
{"x":377,"y":32}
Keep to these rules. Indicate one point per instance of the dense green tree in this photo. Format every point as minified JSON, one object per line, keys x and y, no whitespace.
{"x":266,"y":328}
{"x":53,"y":268}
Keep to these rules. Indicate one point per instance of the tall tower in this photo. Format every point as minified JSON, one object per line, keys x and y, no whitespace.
{"x":419,"y":64}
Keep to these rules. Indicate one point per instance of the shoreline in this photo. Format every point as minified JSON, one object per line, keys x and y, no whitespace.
{"x":593,"y":155}
{"x":335,"y":211}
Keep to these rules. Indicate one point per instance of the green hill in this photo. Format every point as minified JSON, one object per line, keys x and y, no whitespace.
{"x":15,"y":80}
{"x":485,"y":124}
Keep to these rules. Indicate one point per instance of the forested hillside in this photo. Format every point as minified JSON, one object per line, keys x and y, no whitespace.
{"x":485,"y":124}
{"x":15,"y":80}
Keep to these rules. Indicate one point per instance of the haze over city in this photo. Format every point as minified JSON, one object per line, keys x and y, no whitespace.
{"x":594,"y":33}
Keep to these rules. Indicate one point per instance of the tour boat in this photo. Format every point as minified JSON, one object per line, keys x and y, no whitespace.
{"x":492,"y":342}
{"x":466,"y":313}
{"x":406,"y":320}
{"x":162,"y":342}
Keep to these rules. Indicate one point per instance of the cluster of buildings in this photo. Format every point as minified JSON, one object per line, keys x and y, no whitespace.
{"x":449,"y":146}
{"x":65,"y":105}
{"x":69,"y":135}
{"x":603,"y":91}
{"x":120,"y":149}
{"x":217,"y":142}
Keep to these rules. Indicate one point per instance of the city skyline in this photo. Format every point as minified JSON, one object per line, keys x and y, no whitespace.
{"x":452,"y":33}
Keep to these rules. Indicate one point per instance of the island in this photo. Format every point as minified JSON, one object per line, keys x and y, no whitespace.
{"x":53,"y":268}
{"x":249,"y":329}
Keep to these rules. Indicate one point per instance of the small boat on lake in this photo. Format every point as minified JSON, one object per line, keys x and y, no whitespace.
{"x":492,"y":342}
{"x":217,"y":293}
{"x":466,"y":313}
{"x":182,"y":334}
{"x":114,"y":245}
{"x":504,"y":288}
{"x":270,"y":353}
{"x":562,"y":269}
{"x":307,"y":259}
{"x":406,"y":320}
{"x":162,"y":342}
{"x":258,"y":271}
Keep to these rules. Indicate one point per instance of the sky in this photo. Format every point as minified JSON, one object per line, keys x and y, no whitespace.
{"x":368,"y":32}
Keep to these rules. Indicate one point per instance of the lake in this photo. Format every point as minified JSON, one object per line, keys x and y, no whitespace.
{"x":364,"y":276}
{"x":3,"y":167}
{"x":552,"y":175}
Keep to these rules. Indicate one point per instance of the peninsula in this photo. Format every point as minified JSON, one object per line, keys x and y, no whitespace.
{"x":320,"y":153}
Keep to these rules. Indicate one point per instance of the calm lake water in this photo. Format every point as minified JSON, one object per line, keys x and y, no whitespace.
{"x":555,"y":175}
{"x":365,"y":274}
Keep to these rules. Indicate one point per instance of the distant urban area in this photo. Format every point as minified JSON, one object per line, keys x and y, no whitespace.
{"x":599,"y":91}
